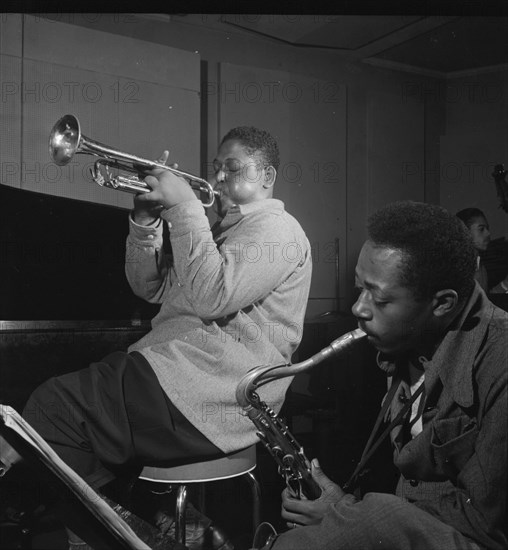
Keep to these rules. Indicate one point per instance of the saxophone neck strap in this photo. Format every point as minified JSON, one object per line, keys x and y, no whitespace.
{"x":371,"y":445}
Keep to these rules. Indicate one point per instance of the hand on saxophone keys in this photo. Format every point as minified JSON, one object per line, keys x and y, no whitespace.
{"x":301,"y":511}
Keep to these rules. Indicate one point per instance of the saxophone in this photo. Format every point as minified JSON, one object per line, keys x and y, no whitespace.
{"x":289,"y":455}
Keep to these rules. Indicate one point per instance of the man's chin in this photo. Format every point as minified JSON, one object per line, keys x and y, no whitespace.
{"x":222,"y":207}
{"x":219,"y":208}
{"x":389,"y":349}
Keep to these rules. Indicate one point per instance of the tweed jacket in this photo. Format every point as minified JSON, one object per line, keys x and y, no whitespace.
{"x":456,"y":468}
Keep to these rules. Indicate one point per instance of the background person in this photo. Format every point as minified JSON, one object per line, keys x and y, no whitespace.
{"x":478,"y":226}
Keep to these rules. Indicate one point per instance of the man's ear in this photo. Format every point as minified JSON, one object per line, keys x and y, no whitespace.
{"x":270,"y":176}
{"x":445,"y":302}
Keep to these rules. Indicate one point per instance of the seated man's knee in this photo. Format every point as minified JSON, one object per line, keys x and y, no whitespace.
{"x":375,"y":501}
{"x":41,"y":403}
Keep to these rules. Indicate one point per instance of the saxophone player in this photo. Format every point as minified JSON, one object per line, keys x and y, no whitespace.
{"x":444,"y":348}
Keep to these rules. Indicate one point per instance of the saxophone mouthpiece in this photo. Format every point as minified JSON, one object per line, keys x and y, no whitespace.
{"x":347,"y":339}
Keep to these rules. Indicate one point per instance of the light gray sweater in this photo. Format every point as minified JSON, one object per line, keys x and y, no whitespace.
{"x":230,"y":301}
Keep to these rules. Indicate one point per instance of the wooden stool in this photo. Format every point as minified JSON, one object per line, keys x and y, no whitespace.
{"x":240,"y":463}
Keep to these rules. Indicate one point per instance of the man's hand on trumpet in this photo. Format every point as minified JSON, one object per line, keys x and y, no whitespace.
{"x":167,"y":190}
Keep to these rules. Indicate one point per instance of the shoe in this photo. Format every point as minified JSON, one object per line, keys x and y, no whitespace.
{"x":8,"y":457}
{"x":200,"y":532}
{"x":4,"y":468}
{"x":149,"y":534}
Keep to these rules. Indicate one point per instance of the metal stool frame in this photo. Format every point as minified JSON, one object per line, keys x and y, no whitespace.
{"x":197,"y":475}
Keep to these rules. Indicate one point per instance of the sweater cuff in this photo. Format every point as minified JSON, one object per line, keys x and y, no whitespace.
{"x":144,"y":233}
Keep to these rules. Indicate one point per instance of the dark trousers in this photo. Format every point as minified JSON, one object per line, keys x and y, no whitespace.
{"x":378,"y":522}
{"x":113,"y":418}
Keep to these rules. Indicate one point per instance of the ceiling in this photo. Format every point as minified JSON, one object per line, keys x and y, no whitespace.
{"x":441,"y":46}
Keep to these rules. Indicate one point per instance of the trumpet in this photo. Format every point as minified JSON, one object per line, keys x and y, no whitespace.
{"x":66,"y":140}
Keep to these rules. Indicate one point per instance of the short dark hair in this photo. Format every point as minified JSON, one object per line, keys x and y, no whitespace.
{"x":256,"y":141}
{"x":469,"y":214}
{"x":436,"y":248}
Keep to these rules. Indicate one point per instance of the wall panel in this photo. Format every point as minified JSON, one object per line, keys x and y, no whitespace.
{"x":474,"y":141}
{"x":136,"y":96}
{"x":308,"y":118}
{"x":107,"y":52}
{"x":395,"y":154}
{"x":10,"y":119}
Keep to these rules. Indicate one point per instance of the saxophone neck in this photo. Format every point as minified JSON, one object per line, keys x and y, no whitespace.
{"x":245,"y":391}
{"x":259,"y":376}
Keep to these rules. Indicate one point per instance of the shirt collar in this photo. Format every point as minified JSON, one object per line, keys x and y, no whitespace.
{"x":239,"y":211}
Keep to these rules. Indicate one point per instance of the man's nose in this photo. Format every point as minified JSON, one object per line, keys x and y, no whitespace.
{"x":220,"y":176}
{"x":360,"y":309}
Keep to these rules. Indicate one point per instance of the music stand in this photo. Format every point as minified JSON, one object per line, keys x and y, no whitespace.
{"x":109,"y":530}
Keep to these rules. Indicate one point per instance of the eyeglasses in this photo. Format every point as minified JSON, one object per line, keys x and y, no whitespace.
{"x":234,"y":166}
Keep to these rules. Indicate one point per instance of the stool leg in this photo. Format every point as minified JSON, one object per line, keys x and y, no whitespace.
{"x":181,"y":504}
{"x":202,"y":498}
{"x":256,"y":498}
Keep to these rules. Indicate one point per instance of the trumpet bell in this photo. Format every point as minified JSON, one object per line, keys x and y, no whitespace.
{"x":64,"y":140}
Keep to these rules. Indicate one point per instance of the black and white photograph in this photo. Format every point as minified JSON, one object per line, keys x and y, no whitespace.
{"x":254,"y":276}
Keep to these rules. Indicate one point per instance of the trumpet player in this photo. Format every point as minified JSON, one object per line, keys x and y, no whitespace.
{"x":444,"y":348}
{"x":231,"y":297}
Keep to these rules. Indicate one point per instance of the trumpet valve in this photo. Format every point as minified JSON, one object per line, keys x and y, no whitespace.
{"x":97,"y":174}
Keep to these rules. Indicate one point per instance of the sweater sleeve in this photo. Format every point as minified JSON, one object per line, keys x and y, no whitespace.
{"x":258,"y":254}
{"x":147,"y":268}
